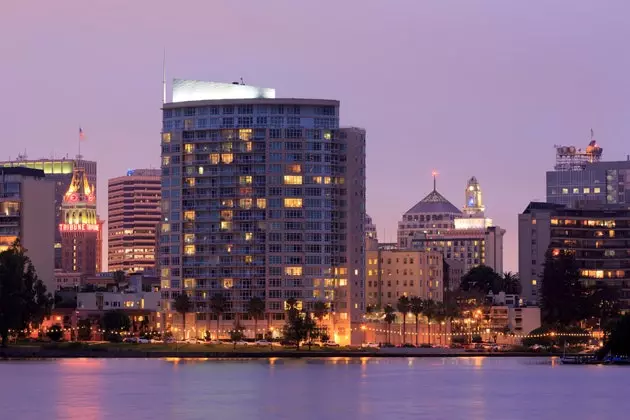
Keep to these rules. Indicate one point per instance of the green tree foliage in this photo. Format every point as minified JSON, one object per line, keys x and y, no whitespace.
{"x":390,"y":317}
{"x":416,"y":306}
{"x":299,"y":324}
{"x":55,"y":333}
{"x":114,"y":322}
{"x":618,"y":342}
{"x":563,"y":298}
{"x":85,"y":329}
{"x":236,"y":334}
{"x":218,"y":306}
{"x":183,"y":305}
{"x":24,"y":300}
{"x":510,"y":284}
{"x":256,"y":309}
{"x":430,"y":311}
{"x":404,"y":306}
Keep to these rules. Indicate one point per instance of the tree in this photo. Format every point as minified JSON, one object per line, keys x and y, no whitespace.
{"x":510,"y":284}
{"x":416,"y":305}
{"x":299,"y":325}
{"x":236,"y":334}
{"x":481,"y":278}
{"x":114,"y":322}
{"x":55,"y":333}
{"x":256,"y":309}
{"x":23,"y":297}
{"x":390,"y":316}
{"x":430,"y":312}
{"x":618,"y":342}
{"x":562,"y":300}
{"x":183,"y":306}
{"x":218,"y":306}
{"x":404,"y":307}
{"x":85,"y":329}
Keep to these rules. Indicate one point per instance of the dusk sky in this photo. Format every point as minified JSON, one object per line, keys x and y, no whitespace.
{"x":466,"y":87}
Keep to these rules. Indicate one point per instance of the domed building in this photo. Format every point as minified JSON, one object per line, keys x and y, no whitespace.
{"x":431,"y":215}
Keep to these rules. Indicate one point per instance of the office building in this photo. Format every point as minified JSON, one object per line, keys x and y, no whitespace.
{"x":27,"y":213}
{"x":435,"y":224}
{"x":580,"y":176}
{"x":392,"y":273}
{"x":80,"y":227}
{"x":596,"y":234}
{"x":262,"y":196}
{"x":370,"y":228}
{"x":60,"y":172}
{"x":133,"y":212}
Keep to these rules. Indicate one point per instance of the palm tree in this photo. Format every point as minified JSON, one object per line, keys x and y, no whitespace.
{"x":183,"y":305}
{"x":256,"y":309}
{"x":429,"y":312}
{"x":390,"y":316}
{"x":511,"y":283}
{"x":218,"y":305}
{"x":416,"y":305}
{"x":440,"y":316}
{"x":403,"y":307}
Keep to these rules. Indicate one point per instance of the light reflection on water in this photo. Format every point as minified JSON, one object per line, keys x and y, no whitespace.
{"x":334,"y":388}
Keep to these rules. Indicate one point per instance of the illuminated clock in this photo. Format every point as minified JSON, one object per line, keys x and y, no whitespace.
{"x":73,"y":197}
{"x":90,"y":198}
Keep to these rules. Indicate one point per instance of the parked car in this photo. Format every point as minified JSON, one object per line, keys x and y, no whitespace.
{"x":370,"y":345}
{"x":240,"y":343}
{"x":214,"y":342}
{"x":331,"y":344}
{"x":143,"y":341}
{"x":263,"y":343}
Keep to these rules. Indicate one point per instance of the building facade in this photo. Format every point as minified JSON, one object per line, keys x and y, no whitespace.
{"x":262,"y":197}
{"x":133,"y":211}
{"x":80,"y":227}
{"x":392,"y":273}
{"x":27,"y":213}
{"x":60,"y":172}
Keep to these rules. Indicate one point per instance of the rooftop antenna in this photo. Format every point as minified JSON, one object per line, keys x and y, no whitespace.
{"x":164,"y":77}
{"x":435,"y":174}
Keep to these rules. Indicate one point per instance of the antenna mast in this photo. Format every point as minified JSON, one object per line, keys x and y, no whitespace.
{"x":164,"y":77}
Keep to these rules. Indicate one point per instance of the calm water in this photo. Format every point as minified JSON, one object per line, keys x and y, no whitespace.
{"x":465,"y":388}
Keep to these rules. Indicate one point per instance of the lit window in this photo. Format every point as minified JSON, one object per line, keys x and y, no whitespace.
{"x":189,"y":283}
{"x":576,"y":190}
{"x":227,"y":157}
{"x":292,"y":179}
{"x":317,"y":179}
{"x":166,"y":137}
{"x":189,"y":147}
{"x":296,"y":169}
{"x":326,"y":180}
{"x":189,"y":238}
{"x":245,"y":133}
{"x":214,"y":158}
{"x":343,"y":282}
{"x":597,"y":190}
{"x":245,"y":203}
{"x":587,"y":190}
{"x":200,"y":170}
{"x":228,"y":283}
{"x":248,"y":259}
{"x":293,"y":271}
{"x":261,"y":203}
{"x":327,"y":135}
{"x":189,"y":215}
{"x":190,"y":182}
{"x":565,"y":191}
{"x":226,"y":225}
{"x":166,"y":227}
{"x":245,"y":180}
{"x":249,"y":236}
{"x":226,"y":214}
{"x":293,"y":202}
{"x":166,"y":160}
{"x":189,"y":250}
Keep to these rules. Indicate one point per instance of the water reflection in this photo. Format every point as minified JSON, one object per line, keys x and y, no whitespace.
{"x":79,"y":383}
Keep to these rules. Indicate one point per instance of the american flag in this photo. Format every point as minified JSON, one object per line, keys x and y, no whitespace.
{"x":81,"y":135}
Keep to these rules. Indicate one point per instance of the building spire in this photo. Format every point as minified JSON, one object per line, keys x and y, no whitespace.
{"x":164,"y":77}
{"x":435,"y":174}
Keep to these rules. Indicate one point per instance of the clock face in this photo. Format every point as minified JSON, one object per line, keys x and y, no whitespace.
{"x":91,"y":198}
{"x":73,"y":197}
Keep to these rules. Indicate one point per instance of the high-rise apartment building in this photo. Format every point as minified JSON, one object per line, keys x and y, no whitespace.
{"x":27,"y":213}
{"x":133,"y":212}
{"x":60,"y":172}
{"x":80,"y":228}
{"x":579,"y":176}
{"x":263,"y":197}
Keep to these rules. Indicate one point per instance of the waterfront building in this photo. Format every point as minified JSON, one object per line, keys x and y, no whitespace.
{"x":434,"y":224}
{"x":59,"y":171}
{"x":393,"y":272}
{"x":27,"y":213}
{"x":80,"y":227}
{"x":133,"y":204}
{"x":597,"y":235}
{"x":581,"y":176}
{"x":509,"y":313}
{"x":262,"y":196}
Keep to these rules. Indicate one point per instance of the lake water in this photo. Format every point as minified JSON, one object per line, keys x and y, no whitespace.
{"x":462,"y":388}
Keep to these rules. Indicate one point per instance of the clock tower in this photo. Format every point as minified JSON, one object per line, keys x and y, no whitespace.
{"x":79,"y":227}
{"x":474,"y":203}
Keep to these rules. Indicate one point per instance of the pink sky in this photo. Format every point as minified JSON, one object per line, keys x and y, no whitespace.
{"x":467,"y":87}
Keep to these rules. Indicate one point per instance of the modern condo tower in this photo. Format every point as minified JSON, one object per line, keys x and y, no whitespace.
{"x":262,"y":197}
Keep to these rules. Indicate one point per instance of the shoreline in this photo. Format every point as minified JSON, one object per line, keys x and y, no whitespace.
{"x":40,"y":354}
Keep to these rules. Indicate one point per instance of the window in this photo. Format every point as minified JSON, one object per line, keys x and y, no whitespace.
{"x":597,"y":190}
{"x":293,"y":179}
{"x":293,"y":202}
{"x":293,"y":271}
{"x":576,"y":190}
{"x":587,"y":190}
{"x":534,"y":282}
{"x":565,"y":191}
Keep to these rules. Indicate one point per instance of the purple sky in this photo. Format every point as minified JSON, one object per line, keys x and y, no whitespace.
{"x":482,"y":88}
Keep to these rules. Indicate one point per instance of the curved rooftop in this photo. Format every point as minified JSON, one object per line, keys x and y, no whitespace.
{"x":434,"y":202}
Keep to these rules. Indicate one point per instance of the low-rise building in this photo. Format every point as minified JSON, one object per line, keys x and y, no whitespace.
{"x":65,"y":280}
{"x":392,"y":273}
